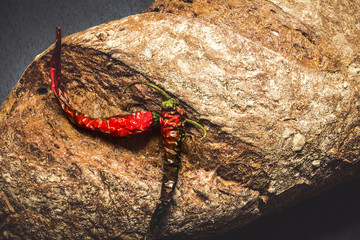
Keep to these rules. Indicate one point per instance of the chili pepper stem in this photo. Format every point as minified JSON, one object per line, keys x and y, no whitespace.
{"x":162,"y":92}
{"x":199,"y":126}
{"x":168,"y":104}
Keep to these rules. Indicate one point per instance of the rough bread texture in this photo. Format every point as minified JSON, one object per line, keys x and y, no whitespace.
{"x":319,"y":34}
{"x":282,"y":121}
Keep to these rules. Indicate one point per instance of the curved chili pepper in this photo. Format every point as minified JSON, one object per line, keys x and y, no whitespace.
{"x":172,"y":120}
{"x":118,"y":126}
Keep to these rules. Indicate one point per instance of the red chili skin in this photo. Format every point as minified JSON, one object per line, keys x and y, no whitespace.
{"x":117,"y":126}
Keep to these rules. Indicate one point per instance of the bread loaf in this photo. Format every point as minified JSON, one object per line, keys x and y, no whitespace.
{"x":278,"y":98}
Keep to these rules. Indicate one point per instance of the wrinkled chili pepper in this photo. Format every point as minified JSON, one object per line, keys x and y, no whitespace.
{"x":172,"y":123}
{"x":118,"y":126}
{"x":172,"y":120}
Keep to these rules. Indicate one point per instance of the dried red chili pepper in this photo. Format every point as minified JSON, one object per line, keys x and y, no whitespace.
{"x":172,"y":122}
{"x":119,"y":125}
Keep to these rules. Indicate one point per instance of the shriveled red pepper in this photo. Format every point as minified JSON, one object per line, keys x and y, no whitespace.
{"x":172,"y":121}
{"x":118,"y":126}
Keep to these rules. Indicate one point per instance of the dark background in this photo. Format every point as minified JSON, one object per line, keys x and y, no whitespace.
{"x":27,"y":28}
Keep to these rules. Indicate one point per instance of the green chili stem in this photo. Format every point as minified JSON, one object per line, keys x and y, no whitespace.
{"x":198,"y":125}
{"x":162,"y":92}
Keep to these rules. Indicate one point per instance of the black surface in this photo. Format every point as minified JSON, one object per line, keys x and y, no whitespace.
{"x":27,"y":29}
{"x":334,"y":215}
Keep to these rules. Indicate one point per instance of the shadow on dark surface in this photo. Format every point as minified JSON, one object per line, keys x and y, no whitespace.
{"x":333,"y":215}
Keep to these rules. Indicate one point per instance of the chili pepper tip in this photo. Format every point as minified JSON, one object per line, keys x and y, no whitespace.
{"x":58,"y":32}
